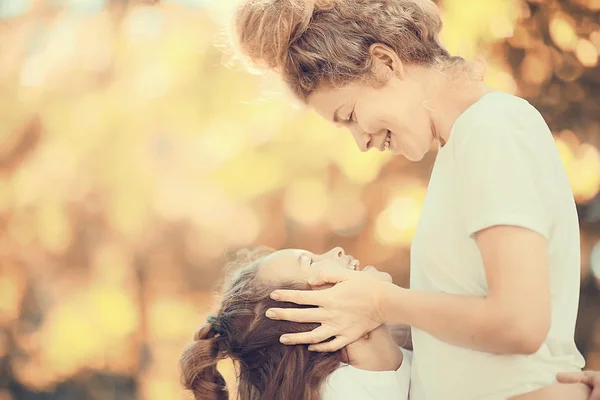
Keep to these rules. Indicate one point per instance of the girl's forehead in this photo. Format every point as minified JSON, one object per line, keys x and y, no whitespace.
{"x":282,"y":265}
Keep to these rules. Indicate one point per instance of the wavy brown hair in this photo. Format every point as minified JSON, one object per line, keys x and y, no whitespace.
{"x":315,"y":42}
{"x":267,"y":369}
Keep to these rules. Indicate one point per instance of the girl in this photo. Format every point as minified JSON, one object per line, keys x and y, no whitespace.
{"x":495,"y":260}
{"x":373,"y":368}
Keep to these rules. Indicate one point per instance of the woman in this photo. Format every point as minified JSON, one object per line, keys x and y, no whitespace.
{"x":372,"y":368}
{"x":495,"y":259}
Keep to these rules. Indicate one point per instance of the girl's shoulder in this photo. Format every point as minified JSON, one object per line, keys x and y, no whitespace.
{"x":350,"y":383}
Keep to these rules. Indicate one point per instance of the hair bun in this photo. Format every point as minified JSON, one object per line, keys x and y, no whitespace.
{"x":267,"y":28}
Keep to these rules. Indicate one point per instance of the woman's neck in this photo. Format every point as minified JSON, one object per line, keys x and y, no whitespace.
{"x":450,"y":97}
{"x":379,"y":352}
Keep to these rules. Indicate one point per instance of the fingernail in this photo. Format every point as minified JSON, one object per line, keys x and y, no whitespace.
{"x":275,"y":296}
{"x":310,"y":348}
{"x":312,"y":280}
{"x":270,"y":314}
{"x":284,"y":340}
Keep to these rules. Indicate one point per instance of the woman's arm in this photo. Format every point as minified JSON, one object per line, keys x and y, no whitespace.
{"x":515,"y":315}
{"x":513,"y":318}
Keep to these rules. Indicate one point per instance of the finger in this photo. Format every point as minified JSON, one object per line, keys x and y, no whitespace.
{"x":331,"y":346}
{"x":304,"y":297}
{"x":592,"y":379}
{"x":331,"y":275}
{"x":586,"y":377}
{"x":572,"y":377}
{"x":317,"y":335}
{"x":296,"y":314}
{"x":380,"y":275}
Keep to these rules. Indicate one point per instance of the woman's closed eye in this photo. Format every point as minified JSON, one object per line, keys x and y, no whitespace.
{"x":352,"y":117}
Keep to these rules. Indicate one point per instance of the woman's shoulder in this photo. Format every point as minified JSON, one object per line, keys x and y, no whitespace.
{"x":501,"y":116}
{"x":494,"y":107}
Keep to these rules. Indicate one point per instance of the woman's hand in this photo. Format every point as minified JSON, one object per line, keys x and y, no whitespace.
{"x":346,"y":311}
{"x":590,"y":378}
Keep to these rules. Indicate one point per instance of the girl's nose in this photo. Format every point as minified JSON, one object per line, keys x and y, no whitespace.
{"x":337,"y":252}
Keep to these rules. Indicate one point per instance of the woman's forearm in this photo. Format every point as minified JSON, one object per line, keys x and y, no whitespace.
{"x":478,"y":323}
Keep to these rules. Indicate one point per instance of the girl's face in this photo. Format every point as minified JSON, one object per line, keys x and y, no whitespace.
{"x":388,"y":117}
{"x":298,"y":265}
{"x":295,"y":265}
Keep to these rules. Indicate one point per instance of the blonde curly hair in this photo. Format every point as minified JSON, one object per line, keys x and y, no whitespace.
{"x":315,"y":42}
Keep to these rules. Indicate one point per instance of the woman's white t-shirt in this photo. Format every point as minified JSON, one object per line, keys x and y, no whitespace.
{"x":350,"y":383}
{"x":500,"y":166}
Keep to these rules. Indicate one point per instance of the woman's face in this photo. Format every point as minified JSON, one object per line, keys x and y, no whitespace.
{"x":298,"y":265}
{"x":395,"y":110}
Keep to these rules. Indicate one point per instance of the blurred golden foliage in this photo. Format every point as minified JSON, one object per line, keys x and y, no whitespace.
{"x":134,"y":155}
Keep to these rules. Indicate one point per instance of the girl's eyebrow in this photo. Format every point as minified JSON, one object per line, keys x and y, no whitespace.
{"x":300,"y":257}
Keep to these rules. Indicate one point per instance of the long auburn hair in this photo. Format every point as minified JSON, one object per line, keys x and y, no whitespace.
{"x":267,"y":369}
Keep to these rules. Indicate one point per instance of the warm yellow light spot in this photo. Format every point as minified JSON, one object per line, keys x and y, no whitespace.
{"x":566,"y":154}
{"x":584,"y":173}
{"x":501,"y":27}
{"x":116,"y":316}
{"x":498,"y":77}
{"x":586,"y":53}
{"x":128,"y":209}
{"x":563,"y":33}
{"x":54,"y":227}
{"x":160,"y":389}
{"x":396,"y":225}
{"x":251,"y":174}
{"x":582,"y":163}
{"x":70,"y":339}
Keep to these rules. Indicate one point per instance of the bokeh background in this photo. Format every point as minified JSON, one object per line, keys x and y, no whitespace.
{"x":135,"y":153}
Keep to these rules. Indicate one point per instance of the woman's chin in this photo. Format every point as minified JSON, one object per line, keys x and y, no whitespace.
{"x":412,"y":156}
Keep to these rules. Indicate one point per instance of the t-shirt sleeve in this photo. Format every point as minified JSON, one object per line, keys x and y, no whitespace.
{"x":349,"y":383}
{"x":504,"y":178}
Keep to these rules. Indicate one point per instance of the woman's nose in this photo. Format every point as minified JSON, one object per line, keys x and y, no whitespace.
{"x":363,"y":140}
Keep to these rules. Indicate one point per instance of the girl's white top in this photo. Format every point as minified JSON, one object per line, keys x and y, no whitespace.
{"x":500,"y":166}
{"x":350,"y":383}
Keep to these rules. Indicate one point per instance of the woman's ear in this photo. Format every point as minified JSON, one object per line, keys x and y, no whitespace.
{"x":386,"y":62}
